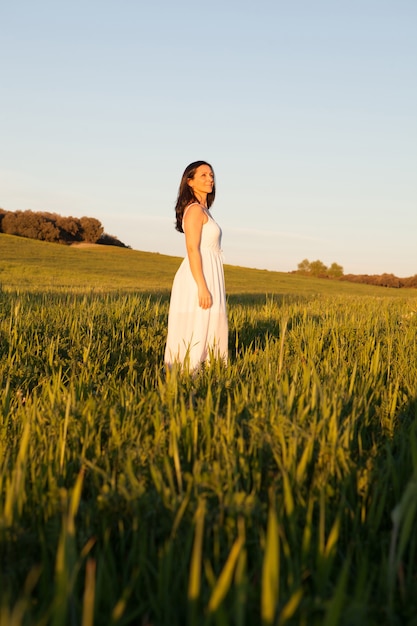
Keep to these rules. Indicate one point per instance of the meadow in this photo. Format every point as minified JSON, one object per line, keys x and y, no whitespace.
{"x":280,"y":488}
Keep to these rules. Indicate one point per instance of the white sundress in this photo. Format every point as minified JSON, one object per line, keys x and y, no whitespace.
{"x":195,"y":334}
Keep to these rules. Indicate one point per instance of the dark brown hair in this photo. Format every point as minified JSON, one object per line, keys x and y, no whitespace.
{"x":186,"y":194}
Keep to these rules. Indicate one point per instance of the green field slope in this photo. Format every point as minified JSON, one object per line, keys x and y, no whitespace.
{"x":277,"y":489}
{"x":27,"y":264}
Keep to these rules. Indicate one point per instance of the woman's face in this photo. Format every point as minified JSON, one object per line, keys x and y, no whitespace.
{"x":203,"y":181}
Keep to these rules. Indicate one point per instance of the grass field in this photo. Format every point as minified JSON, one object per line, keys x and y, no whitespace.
{"x":279,"y":489}
{"x":29,"y":265}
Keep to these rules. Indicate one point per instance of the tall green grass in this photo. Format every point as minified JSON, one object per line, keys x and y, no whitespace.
{"x":279,"y":489}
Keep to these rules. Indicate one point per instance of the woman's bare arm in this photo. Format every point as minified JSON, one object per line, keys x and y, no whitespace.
{"x":193,"y":225}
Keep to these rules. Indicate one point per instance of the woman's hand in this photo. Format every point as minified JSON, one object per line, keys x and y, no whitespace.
{"x":204,"y":298}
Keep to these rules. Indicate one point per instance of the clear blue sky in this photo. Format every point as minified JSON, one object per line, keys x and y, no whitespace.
{"x":305,"y":108}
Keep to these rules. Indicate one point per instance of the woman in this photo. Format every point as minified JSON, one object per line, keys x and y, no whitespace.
{"x":197,"y":322}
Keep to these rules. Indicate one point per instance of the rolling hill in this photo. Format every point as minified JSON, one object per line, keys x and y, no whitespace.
{"x":31,"y":265}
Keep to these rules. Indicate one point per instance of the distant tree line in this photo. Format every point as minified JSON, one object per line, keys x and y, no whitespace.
{"x":319,"y":270}
{"x":55,"y":228}
{"x":382,"y":280}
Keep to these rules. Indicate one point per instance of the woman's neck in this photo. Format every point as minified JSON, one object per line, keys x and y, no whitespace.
{"x":202,"y":199}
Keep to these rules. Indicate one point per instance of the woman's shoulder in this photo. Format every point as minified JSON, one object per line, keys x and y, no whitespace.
{"x":196,"y":212}
{"x":194,"y":208}
{"x":194,"y":204}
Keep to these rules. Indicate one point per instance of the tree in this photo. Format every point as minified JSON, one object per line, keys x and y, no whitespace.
{"x":111,"y":240}
{"x":318,"y":268}
{"x":55,"y":228}
{"x":335,"y":270}
{"x":31,"y":225}
{"x":91,"y":229}
{"x":388,"y":280}
{"x":411,"y":281}
{"x":304,"y":267}
{"x":70,"y":228}
{"x":2,"y":214}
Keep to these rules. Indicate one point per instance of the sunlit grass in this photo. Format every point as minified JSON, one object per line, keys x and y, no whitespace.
{"x":276,"y":490}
